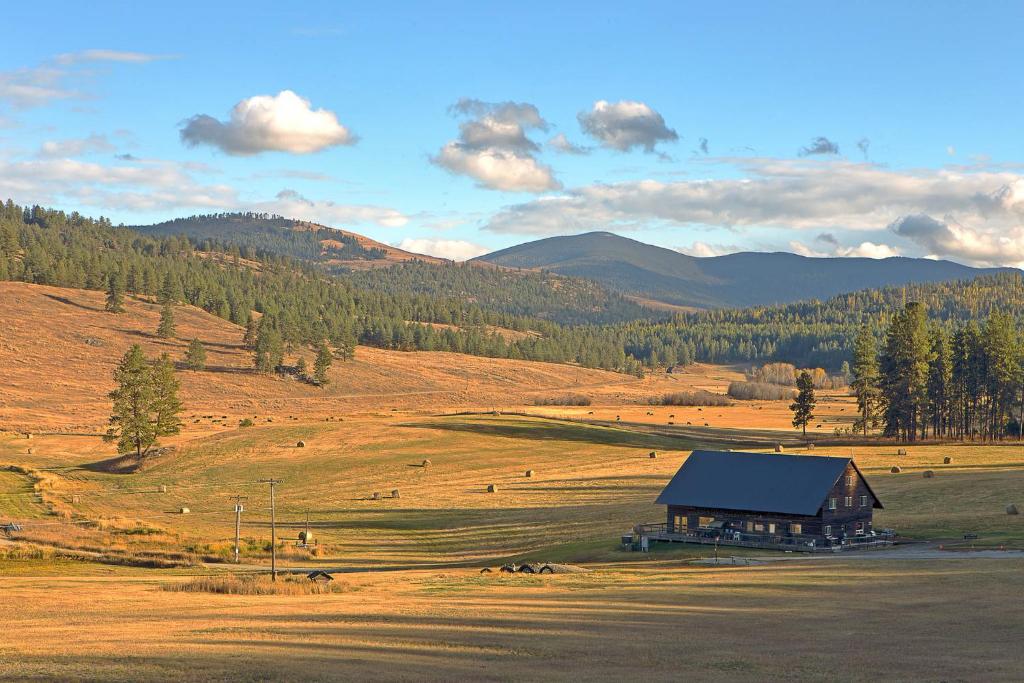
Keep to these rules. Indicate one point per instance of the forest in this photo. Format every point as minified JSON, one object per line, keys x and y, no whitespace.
{"x":419,"y":306}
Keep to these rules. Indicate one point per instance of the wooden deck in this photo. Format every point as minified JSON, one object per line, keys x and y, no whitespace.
{"x":791,"y":542}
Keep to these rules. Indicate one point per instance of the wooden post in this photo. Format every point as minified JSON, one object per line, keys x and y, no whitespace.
{"x":273,"y":528}
{"x":238,"y":523}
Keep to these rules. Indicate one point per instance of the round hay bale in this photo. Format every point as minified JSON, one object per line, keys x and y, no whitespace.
{"x":395,"y":493}
{"x":306,"y":537}
{"x":163,"y":488}
{"x":928,"y":474}
{"x":300,"y":444}
{"x":779,"y":448}
{"x":810,"y":446}
{"x":426,"y":463}
{"x":527,"y":569}
{"x":376,"y":495}
{"x":1011,"y":509}
{"x":529,"y":473}
{"x":901,"y":451}
{"x":896,"y":469}
{"x":184,"y":510}
{"x":618,"y":417}
{"x":947,"y":460}
{"x":652,"y":454}
{"x":546,"y":568}
{"x":492,"y":488}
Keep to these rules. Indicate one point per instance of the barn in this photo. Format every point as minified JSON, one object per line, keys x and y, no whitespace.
{"x":796,"y":502}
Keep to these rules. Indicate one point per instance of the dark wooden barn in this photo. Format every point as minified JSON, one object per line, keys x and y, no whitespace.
{"x":798,"y":502}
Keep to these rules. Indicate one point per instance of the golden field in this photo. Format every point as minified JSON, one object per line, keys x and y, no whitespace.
{"x":84,"y":579}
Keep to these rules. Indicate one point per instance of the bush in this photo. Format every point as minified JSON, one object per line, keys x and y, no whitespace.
{"x":566,"y":400}
{"x":692,"y":398}
{"x":254,"y":584}
{"x":760,"y":391}
{"x":247,"y":422}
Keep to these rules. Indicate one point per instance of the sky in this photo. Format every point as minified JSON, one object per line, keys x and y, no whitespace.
{"x":456,"y":128}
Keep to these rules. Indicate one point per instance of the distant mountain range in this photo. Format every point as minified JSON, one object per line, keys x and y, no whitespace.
{"x":655,"y":274}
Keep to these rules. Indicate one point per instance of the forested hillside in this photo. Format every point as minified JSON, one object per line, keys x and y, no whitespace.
{"x":388,"y":309}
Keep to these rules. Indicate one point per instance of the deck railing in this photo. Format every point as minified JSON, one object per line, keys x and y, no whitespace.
{"x":797,"y":542}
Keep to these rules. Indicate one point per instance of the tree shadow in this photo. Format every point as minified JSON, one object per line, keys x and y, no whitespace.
{"x":540,"y":430}
{"x":69,"y":302}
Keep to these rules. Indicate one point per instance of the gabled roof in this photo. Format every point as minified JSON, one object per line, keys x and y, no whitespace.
{"x":756,"y":482}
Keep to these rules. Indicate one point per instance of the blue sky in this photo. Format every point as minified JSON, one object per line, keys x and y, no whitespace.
{"x":908,"y":117}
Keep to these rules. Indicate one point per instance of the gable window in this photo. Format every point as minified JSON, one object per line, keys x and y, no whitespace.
{"x":848,"y":501}
{"x":831,"y":503}
{"x":863,"y":501}
{"x":849,"y":481}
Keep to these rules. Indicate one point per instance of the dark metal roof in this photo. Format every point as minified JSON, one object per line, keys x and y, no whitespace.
{"x":755,"y":482}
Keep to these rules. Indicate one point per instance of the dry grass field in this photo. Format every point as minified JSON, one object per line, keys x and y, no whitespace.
{"x":83,"y":580}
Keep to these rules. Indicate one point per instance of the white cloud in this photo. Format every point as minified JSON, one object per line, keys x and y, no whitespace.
{"x":283,"y":123}
{"x":705,"y":249}
{"x":454,"y":250}
{"x":562,"y":144}
{"x":950,"y":239}
{"x":74,"y":147}
{"x":291,"y":204}
{"x":626,"y":124}
{"x":493,"y":147}
{"x":98,"y":55}
{"x":869,"y":250}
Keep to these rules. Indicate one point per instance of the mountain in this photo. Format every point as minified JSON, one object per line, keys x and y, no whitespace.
{"x":259,"y":234}
{"x":654,"y":273}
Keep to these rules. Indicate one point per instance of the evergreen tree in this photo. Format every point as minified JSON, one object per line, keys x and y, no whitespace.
{"x":301,"y":368}
{"x":322,"y":364}
{"x":195,"y":355}
{"x":269,"y":351}
{"x":115,"y":294}
{"x":803,"y":406}
{"x":251,"y":329}
{"x":940,"y":377}
{"x":170,"y":290}
{"x":904,"y":371}
{"x":130,"y":423}
{"x":166,"y":406}
{"x":166,"y":327}
{"x":865,"y":378}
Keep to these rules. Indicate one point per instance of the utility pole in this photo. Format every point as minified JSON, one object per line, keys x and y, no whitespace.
{"x":238,"y":521}
{"x":273,"y":528}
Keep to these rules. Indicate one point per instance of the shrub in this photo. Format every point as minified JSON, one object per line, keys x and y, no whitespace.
{"x":565,"y":400}
{"x":760,"y":391}
{"x":247,"y":422}
{"x":700,"y":397}
{"x":254,"y":584}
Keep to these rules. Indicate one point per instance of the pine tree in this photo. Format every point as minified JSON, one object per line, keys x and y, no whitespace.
{"x":301,"y":368}
{"x":939,"y":382}
{"x":903,"y":367}
{"x":166,"y":327}
{"x":170,"y":290}
{"x":195,"y":355}
{"x":865,"y":378}
{"x":322,"y":364}
{"x":803,"y":406}
{"x":115,"y":294}
{"x":165,"y":406}
{"x":251,"y":330}
{"x":269,"y":347}
{"x":130,"y":423}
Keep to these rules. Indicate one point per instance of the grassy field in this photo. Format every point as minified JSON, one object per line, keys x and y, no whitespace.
{"x":948,"y":620}
{"x":83,"y":581}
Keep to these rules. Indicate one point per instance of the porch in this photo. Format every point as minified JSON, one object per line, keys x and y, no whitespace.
{"x":791,"y":542}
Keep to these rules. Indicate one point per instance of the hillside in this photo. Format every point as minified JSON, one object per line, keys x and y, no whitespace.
{"x":263,"y":234}
{"x":734,"y":280}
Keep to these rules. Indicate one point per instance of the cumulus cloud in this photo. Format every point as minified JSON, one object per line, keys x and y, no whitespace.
{"x":706,"y":249}
{"x":75,"y":147}
{"x":819,"y":145}
{"x":834,"y":195}
{"x":281,"y":123}
{"x":828,"y":238}
{"x":292,"y":204}
{"x":869,"y":250}
{"x":494,"y":149}
{"x":562,"y":144}
{"x":625,"y":125}
{"x":454,"y":250}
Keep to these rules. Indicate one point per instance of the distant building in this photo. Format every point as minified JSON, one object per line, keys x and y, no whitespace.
{"x":768,"y":500}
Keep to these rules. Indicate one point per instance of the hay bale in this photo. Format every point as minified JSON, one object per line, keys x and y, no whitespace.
{"x":75,"y":500}
{"x":184,"y":511}
{"x":618,"y":417}
{"x":529,"y":474}
{"x":810,"y":446}
{"x":652,"y":454}
{"x":928,"y":474}
{"x":947,"y":460}
{"x":376,"y":495}
{"x":1011,"y":509}
{"x":425,"y":463}
{"x":901,"y":451}
{"x":779,"y":448}
{"x":896,"y":469}
{"x":395,"y":493}
{"x":492,"y":488}
{"x":300,"y":444}
{"x":163,"y":488}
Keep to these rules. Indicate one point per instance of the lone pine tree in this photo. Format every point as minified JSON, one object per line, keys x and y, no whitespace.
{"x":130,"y":423}
{"x":803,"y":406}
{"x":166,"y":327}
{"x":195,"y":355}
{"x":115,"y":294}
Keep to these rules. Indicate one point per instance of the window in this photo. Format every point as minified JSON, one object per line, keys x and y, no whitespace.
{"x":750,"y":527}
{"x":706,"y":521}
{"x":771,"y":527}
{"x":680,"y":524}
{"x":759,"y":527}
{"x":863,"y":501}
{"x":849,"y":481}
{"x":826,"y":530}
{"x":831,"y":503}
{"x":849,"y":501}
{"x":796,"y":528}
